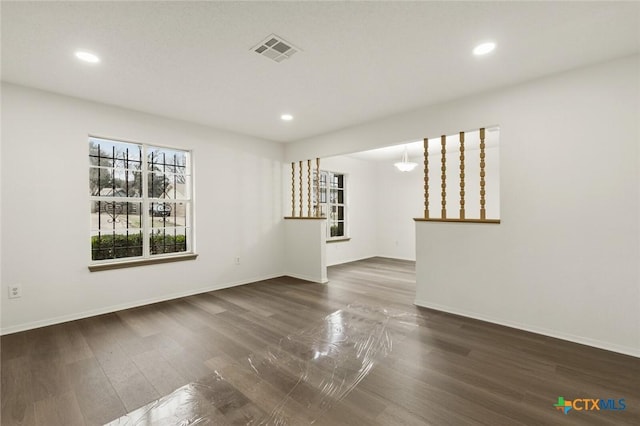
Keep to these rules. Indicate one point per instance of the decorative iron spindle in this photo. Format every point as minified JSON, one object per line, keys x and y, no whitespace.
{"x":153,"y":192}
{"x":461,"y":175}
{"x":175,"y":177}
{"x":426,"y":178}
{"x":126,"y":185}
{"x":483,"y":212}
{"x":99,"y":190}
{"x":113,"y":180}
{"x":443,"y":151}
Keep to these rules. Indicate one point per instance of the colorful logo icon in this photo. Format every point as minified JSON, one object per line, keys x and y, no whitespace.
{"x":563,"y":405}
{"x":589,"y":404}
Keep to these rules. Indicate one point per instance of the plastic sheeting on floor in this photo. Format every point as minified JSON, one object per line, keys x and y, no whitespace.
{"x":292,"y":383}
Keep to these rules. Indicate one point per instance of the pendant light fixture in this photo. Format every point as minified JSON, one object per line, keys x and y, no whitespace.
{"x":404,"y":165}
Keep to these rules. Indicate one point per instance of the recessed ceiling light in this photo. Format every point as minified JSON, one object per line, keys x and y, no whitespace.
{"x":484,"y":48}
{"x":87,"y":57}
{"x":286,"y":117}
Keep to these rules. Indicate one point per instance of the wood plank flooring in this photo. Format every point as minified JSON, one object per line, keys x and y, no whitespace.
{"x":445,"y":370}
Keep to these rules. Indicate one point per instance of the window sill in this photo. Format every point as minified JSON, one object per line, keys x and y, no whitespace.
{"x":338,"y":240}
{"x":140,"y":262}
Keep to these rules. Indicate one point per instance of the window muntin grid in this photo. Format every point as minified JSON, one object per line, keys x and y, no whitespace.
{"x":332,"y":202}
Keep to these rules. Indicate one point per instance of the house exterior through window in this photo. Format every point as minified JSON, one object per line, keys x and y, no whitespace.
{"x":140,"y":200}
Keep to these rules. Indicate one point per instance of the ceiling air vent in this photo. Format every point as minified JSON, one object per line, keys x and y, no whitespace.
{"x":275,"y":48}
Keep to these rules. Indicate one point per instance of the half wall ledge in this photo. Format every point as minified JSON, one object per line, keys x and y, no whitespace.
{"x":422,"y":219}
{"x":305,"y":218}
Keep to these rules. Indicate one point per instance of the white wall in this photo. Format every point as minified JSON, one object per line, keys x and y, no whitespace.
{"x":564,"y":261}
{"x":400,"y":198}
{"x":361,"y":205}
{"x":361,"y":210}
{"x":45,"y":239}
{"x":305,"y":249}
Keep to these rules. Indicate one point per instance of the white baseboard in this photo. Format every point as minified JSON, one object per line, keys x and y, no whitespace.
{"x":128,"y":305}
{"x":408,"y":259}
{"x":626,"y":350}
{"x":356,"y":259}
{"x":371,"y":257}
{"x":307,"y":278}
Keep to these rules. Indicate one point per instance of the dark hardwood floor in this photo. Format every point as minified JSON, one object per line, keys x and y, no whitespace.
{"x":353,"y":352}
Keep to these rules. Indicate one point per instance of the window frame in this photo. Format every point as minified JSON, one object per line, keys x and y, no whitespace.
{"x":147,"y":218}
{"x":328,"y":205}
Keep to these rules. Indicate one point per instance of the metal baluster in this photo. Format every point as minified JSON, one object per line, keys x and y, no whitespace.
{"x":113,"y":177}
{"x":99,"y":190}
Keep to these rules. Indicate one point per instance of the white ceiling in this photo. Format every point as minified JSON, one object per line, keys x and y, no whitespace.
{"x":360,"y":60}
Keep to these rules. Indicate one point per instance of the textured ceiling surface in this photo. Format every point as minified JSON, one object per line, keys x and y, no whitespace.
{"x":359,"y":61}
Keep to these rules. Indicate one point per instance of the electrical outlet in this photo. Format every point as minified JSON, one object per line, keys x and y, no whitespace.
{"x":15,"y":291}
{"x":237,"y":260}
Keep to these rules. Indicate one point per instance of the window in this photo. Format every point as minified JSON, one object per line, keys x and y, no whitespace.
{"x":140,"y":199}
{"x":333,"y":203}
